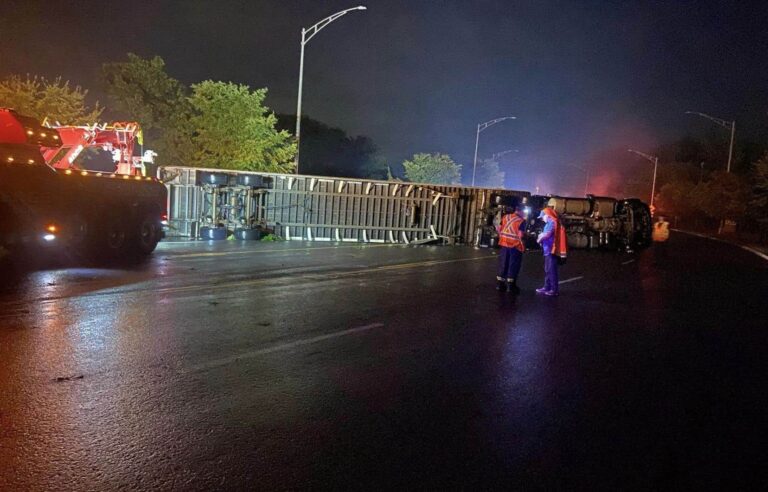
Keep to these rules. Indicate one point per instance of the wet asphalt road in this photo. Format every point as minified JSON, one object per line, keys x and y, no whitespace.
{"x":296,"y":365}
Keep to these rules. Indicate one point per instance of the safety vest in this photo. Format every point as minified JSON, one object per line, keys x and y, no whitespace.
{"x":661,"y":231}
{"x":510,"y":233}
{"x":560,"y":246}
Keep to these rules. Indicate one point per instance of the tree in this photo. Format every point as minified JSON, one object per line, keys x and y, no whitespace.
{"x":489,"y":175}
{"x":724,"y":196}
{"x":142,"y":91}
{"x":210,"y":124}
{"x":760,"y":186}
{"x":234,"y":130}
{"x":432,"y":168}
{"x":329,"y":151}
{"x":55,"y":100}
{"x":676,"y":198}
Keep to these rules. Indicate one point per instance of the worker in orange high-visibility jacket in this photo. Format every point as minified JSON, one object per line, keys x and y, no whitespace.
{"x":555,"y":249}
{"x":511,"y":230}
{"x":660,"y":235}
{"x":661,"y":230}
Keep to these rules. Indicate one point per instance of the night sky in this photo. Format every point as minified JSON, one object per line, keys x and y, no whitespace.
{"x":585,"y":79}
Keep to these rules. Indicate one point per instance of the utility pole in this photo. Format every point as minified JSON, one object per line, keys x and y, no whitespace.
{"x":655,"y":160}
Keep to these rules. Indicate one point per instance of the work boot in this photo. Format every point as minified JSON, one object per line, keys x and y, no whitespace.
{"x":512,"y":287}
{"x":501,"y":285}
{"x":542,"y":290}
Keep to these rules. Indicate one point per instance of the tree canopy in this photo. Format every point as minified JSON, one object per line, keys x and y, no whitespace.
{"x":233,"y":129}
{"x":489,"y":175}
{"x":760,"y":186}
{"x":210,"y":124}
{"x":432,"y":168}
{"x":141,"y":88}
{"x":329,"y":151}
{"x":55,"y":100}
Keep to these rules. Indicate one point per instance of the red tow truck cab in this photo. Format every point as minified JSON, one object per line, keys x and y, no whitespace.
{"x":93,"y":215}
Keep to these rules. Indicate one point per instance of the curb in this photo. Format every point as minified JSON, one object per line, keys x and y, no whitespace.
{"x":713,"y":238}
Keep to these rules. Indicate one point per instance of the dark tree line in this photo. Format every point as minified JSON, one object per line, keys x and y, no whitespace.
{"x":693,"y":184}
{"x":329,"y":151}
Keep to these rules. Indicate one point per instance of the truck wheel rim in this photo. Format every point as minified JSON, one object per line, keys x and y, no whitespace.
{"x":147,"y":233}
{"x":115,"y":238}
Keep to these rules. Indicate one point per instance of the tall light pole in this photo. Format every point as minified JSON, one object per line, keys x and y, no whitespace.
{"x":481,"y":127}
{"x":725,"y":124}
{"x":655,"y":160}
{"x":306,"y":35}
{"x":585,"y":171}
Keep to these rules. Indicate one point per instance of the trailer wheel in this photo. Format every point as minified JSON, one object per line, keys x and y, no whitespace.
{"x":247,"y":234}
{"x":148,"y":234}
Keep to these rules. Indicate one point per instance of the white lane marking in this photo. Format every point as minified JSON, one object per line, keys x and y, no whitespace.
{"x":285,"y":346}
{"x":746,"y":248}
{"x":758,"y":253}
{"x":628,"y":262}
{"x":569,"y":280}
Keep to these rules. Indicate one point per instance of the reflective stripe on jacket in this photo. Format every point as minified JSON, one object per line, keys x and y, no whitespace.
{"x":510,"y":232}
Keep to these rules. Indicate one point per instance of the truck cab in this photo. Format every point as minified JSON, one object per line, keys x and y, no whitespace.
{"x":80,"y":213}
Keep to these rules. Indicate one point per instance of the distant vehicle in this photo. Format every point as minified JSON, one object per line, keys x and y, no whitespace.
{"x":591,"y":222}
{"x":48,"y":204}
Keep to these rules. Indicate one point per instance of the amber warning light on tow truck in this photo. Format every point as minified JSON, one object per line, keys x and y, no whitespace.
{"x":50,"y":232}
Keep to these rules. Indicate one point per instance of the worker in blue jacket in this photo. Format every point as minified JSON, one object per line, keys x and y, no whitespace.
{"x":554,"y":247}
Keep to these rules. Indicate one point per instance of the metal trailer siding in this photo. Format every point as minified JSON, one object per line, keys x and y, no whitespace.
{"x":330,"y":209}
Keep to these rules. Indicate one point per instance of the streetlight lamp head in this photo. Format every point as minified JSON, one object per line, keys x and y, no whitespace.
{"x":361,"y":7}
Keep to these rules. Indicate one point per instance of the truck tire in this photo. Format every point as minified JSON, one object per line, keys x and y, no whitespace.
{"x":148,"y":234}
{"x":9,"y":225}
{"x":115,"y":236}
{"x":213,"y":233}
{"x":111,"y":238}
{"x":247,"y":234}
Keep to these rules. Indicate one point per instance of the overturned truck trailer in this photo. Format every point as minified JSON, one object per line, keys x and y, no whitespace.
{"x":217,"y":203}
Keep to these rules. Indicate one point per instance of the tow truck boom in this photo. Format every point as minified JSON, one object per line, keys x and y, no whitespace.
{"x":119,"y":138}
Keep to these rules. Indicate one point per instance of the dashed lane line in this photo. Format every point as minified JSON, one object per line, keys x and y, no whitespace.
{"x":225,"y":361}
{"x":569,"y":280}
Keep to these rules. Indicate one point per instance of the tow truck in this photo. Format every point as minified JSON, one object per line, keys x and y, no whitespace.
{"x":50,"y":205}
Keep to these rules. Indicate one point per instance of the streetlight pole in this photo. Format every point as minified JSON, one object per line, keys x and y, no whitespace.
{"x":481,"y":127}
{"x":306,"y":35}
{"x":655,"y":160}
{"x":731,"y":125}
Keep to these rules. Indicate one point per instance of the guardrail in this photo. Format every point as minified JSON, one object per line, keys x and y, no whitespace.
{"x":319,"y":208}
